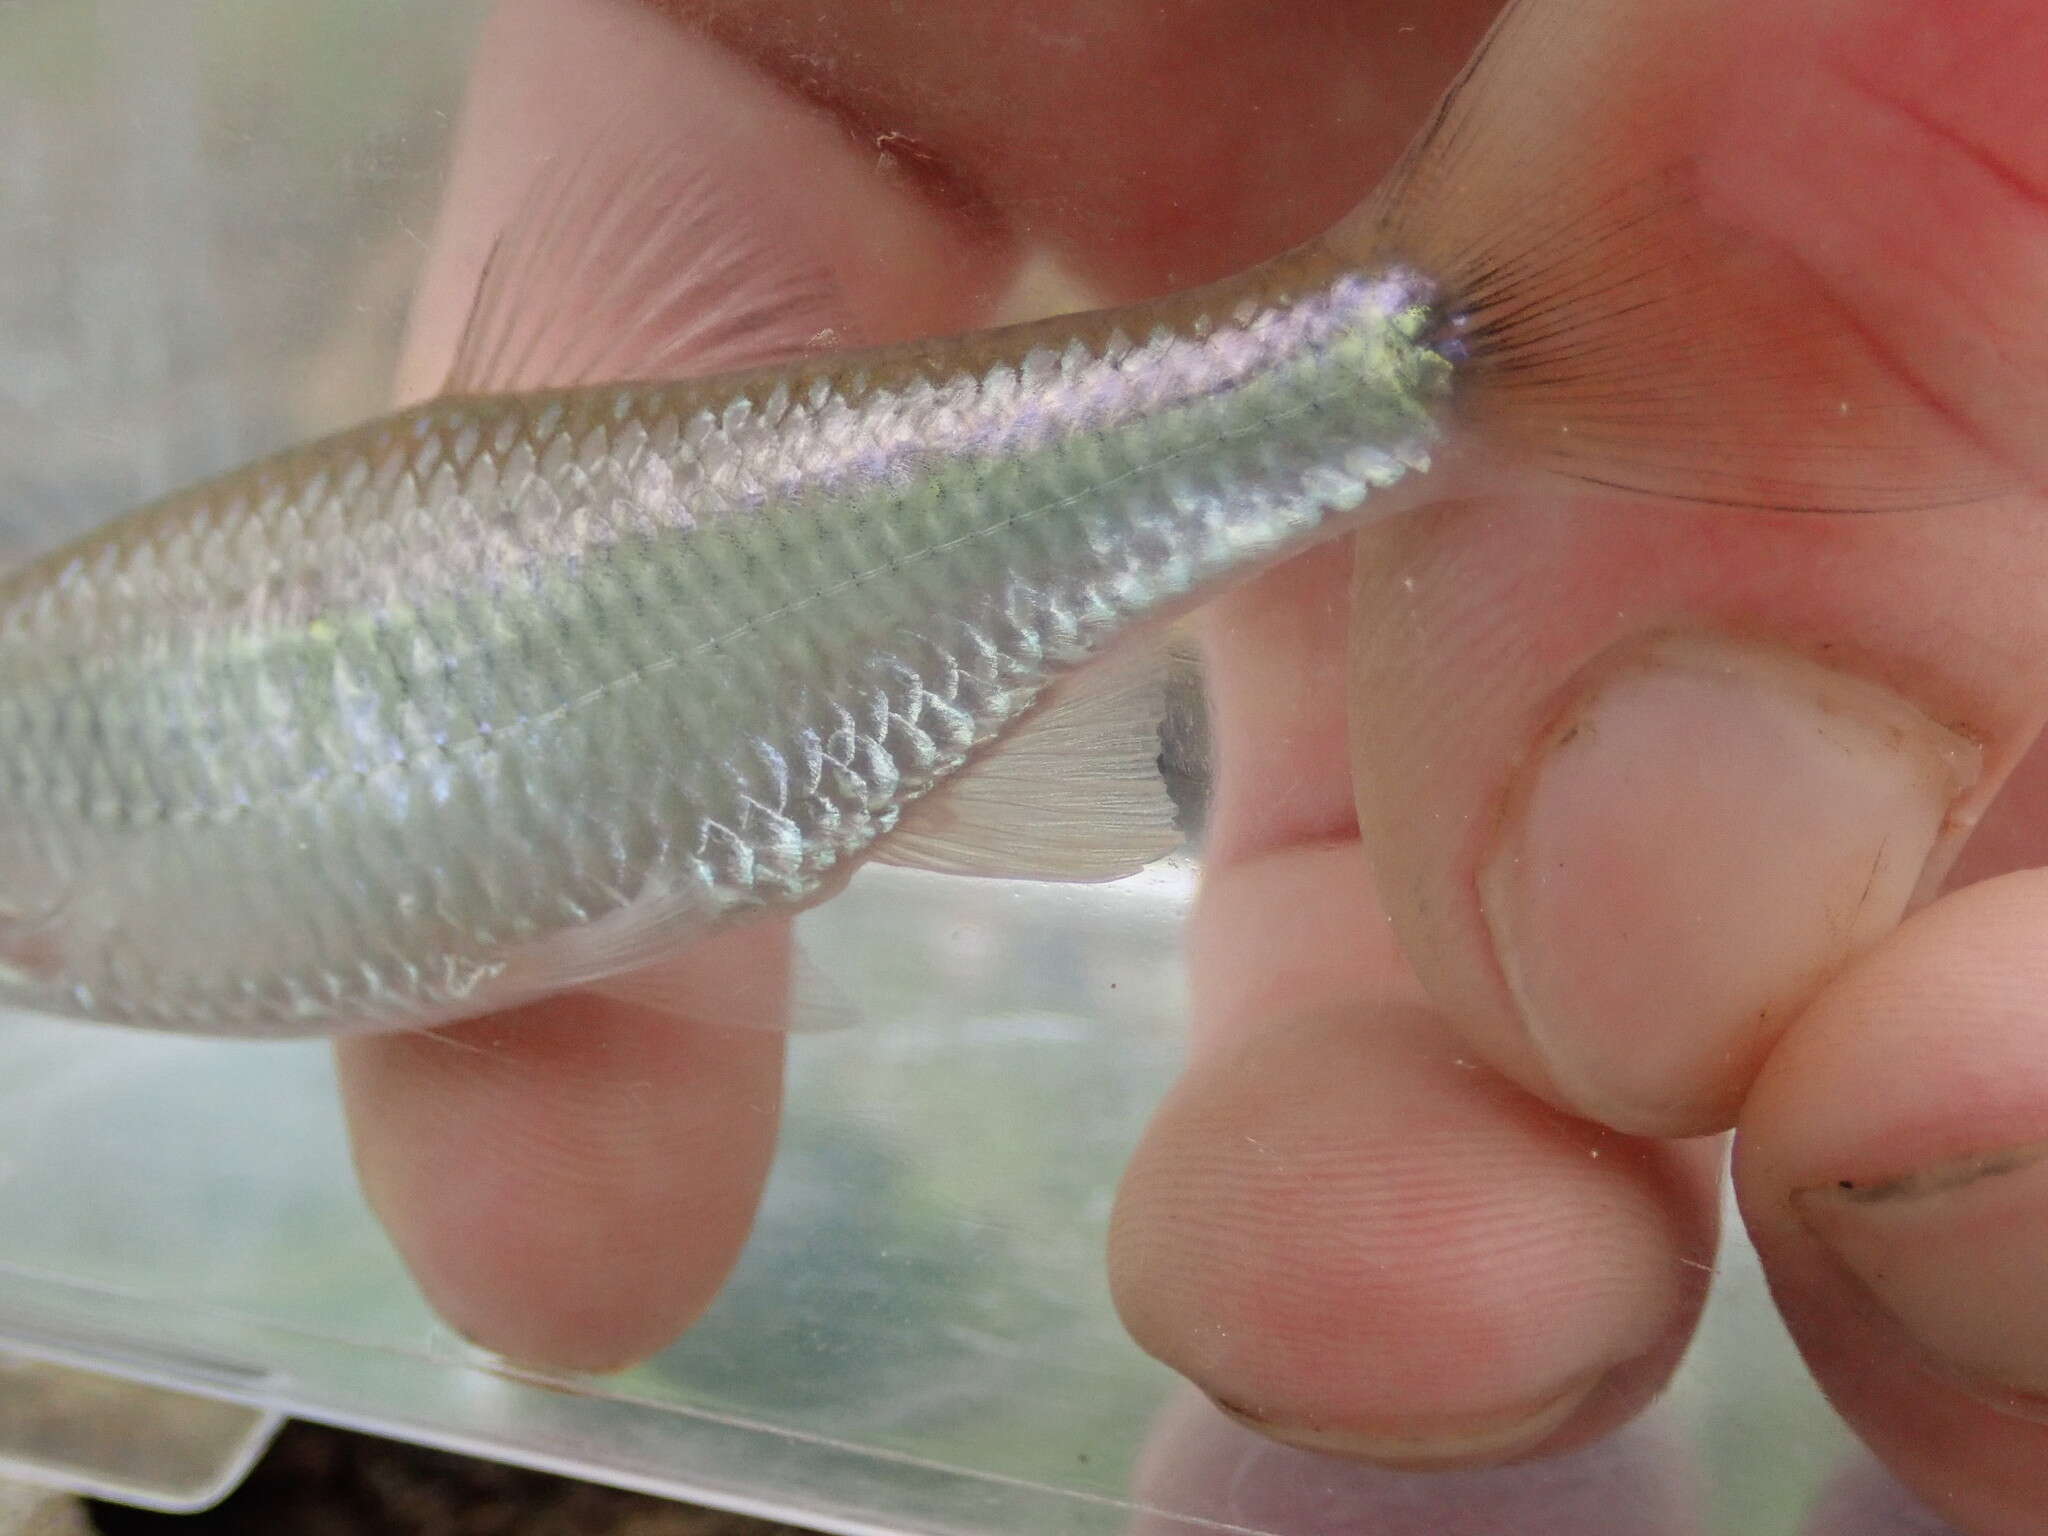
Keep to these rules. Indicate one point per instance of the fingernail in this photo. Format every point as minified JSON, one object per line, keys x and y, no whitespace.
{"x":1708,"y":832}
{"x":1955,"y":1255}
{"x":1485,"y":1440}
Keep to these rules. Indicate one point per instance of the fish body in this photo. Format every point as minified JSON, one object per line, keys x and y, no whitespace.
{"x":497,"y":694}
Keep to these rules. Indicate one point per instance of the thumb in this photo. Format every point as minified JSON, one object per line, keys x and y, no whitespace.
{"x":1637,"y":779}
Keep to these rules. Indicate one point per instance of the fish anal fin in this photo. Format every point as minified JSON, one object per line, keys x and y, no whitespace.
{"x":1074,"y":793}
{"x":633,"y":257}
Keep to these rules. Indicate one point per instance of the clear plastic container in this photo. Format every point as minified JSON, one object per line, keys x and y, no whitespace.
{"x":209,"y":231}
{"x":919,"y":1340}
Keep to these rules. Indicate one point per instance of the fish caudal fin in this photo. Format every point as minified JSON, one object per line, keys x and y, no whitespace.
{"x":1075,"y":792}
{"x":1617,"y":323}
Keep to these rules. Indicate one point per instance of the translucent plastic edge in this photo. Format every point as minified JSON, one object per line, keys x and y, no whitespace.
{"x":678,"y":1452}
{"x":237,"y":1454}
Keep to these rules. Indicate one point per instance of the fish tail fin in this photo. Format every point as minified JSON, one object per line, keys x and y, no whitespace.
{"x":1614,"y":323}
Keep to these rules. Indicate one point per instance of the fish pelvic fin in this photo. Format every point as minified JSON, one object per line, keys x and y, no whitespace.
{"x":1613,"y":319}
{"x":632,"y":258}
{"x":1075,"y":792}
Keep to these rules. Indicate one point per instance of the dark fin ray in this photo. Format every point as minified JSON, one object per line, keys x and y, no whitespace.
{"x":634,"y":259}
{"x":1613,"y":330}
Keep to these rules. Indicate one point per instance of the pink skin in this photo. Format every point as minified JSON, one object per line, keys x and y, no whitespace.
{"x":1381,"y":1214}
{"x":1639,"y":1482}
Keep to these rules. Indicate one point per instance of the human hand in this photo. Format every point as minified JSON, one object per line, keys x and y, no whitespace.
{"x":1378,"y":1215}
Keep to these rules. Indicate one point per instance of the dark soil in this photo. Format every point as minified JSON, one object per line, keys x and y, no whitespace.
{"x":327,"y":1482}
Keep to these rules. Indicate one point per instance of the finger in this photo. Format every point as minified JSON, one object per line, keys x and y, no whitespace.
{"x":1356,"y":1238}
{"x":1153,"y":151}
{"x":2013,"y":833}
{"x":1197,"y":1465}
{"x":1891,"y":1168}
{"x":1680,"y":764}
{"x":572,"y":1181}
{"x":1679,"y":768}
{"x":1863,"y":1499}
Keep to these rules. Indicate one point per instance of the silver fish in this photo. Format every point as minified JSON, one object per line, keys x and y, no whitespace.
{"x":509,"y":693}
